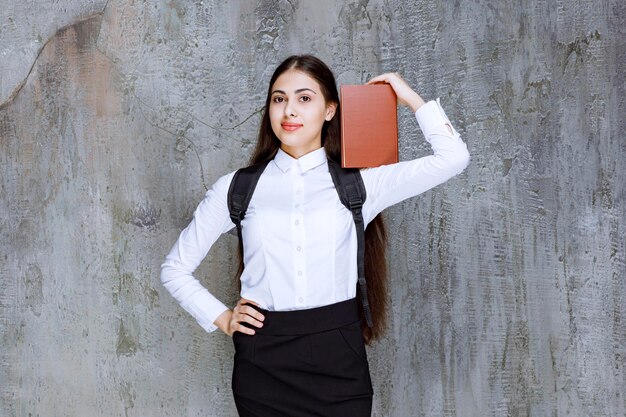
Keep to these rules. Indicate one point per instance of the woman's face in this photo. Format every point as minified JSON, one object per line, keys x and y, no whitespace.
{"x":297,"y":112}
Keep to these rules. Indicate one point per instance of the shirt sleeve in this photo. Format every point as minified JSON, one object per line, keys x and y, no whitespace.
{"x":389,"y":184}
{"x":210,"y":220}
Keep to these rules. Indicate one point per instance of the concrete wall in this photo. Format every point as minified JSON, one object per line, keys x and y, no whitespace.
{"x":507,"y":282}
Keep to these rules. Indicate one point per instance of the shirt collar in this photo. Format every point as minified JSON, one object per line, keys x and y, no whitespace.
{"x":305,"y":162}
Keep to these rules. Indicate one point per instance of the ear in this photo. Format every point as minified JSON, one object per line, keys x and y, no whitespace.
{"x":330,"y":111}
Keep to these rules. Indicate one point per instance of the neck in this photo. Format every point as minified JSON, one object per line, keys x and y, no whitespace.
{"x":296,"y":152}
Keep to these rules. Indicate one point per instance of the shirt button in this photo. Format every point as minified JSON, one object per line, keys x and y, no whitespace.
{"x":299,"y":273}
{"x":297,"y":205}
{"x":298,"y":248}
{"x":298,"y":191}
{"x":301,"y":300}
{"x":297,"y":222}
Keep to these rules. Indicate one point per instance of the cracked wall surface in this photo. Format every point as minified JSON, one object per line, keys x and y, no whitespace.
{"x":25,"y":28}
{"x":507,"y":283}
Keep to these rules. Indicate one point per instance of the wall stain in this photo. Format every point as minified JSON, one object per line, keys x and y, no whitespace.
{"x":33,"y":294}
{"x":143,"y":216}
{"x":131,"y":291}
{"x":604,"y":191}
{"x":507,"y":163}
{"x":94,"y":19}
{"x":126,"y":343}
{"x":503,"y":97}
{"x":128,"y":396}
{"x":579,"y":47}
{"x":542,"y":87}
{"x":173,"y":15}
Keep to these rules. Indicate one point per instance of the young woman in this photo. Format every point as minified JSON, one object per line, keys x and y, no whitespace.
{"x":297,"y":330}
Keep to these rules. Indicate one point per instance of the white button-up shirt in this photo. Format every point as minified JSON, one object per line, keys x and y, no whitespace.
{"x":300,"y":244}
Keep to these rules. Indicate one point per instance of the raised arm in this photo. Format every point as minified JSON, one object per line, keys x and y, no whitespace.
{"x":389,"y":184}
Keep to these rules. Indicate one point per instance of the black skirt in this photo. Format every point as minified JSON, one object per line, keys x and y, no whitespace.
{"x":304,"y":363}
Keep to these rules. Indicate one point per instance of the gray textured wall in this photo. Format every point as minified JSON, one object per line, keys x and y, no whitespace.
{"x":507,"y":282}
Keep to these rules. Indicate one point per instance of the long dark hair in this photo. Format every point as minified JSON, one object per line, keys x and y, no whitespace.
{"x":375,"y":235}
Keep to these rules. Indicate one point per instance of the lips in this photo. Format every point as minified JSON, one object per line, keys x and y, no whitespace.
{"x":290,"y":127}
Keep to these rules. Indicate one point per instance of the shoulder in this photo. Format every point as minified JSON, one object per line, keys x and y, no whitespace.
{"x":223,"y":183}
{"x":220,"y":186}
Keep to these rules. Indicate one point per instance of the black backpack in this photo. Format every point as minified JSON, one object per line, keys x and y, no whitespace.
{"x":351,"y":190}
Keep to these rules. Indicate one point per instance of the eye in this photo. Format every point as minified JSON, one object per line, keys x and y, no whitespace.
{"x":305,"y":98}
{"x":278,"y":99}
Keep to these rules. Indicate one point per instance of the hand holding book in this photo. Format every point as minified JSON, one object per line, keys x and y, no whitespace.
{"x":406,"y":95}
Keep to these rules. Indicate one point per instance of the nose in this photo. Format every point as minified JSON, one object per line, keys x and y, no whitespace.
{"x":289,"y":109}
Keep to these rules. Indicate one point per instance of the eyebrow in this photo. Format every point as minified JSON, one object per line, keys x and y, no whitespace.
{"x":296,"y":92}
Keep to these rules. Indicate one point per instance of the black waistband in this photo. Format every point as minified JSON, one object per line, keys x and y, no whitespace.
{"x":311,"y":320}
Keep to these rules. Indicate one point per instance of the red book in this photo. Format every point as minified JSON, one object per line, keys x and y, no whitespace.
{"x":369,"y":126}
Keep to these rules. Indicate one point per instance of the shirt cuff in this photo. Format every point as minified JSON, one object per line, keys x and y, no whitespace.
{"x":205,"y":308}
{"x":431,"y":116}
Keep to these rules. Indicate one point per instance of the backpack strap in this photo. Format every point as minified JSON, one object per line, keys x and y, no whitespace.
{"x":240,"y":193}
{"x":349,"y":184}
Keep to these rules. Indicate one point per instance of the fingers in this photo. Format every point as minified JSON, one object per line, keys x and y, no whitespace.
{"x":404,"y":93}
{"x":250,"y":314}
{"x":246,"y":301}
{"x":400,"y":87}
{"x":243,"y":313}
{"x":388,"y":78}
